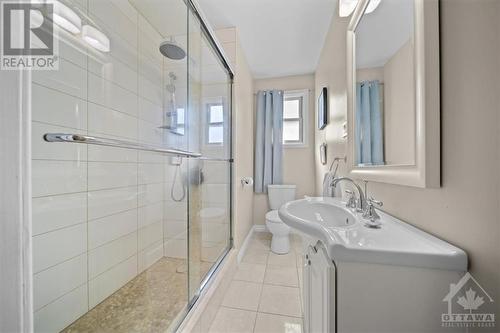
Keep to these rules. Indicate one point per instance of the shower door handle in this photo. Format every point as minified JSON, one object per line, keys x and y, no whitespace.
{"x":93,"y":140}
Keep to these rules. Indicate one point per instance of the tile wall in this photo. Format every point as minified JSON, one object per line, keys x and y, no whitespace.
{"x":101,"y":215}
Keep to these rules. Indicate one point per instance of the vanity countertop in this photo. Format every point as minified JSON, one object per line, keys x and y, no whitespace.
{"x":346,"y":237}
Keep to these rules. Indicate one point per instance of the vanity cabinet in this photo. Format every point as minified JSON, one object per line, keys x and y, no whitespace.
{"x":319,"y":291}
{"x":357,"y":297}
{"x":391,"y":279}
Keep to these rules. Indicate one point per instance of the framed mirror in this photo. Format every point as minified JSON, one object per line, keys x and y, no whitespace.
{"x":393,"y":92}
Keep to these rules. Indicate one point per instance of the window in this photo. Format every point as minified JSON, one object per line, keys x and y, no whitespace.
{"x":180,"y":126}
{"x":215,"y":133}
{"x":295,"y":118}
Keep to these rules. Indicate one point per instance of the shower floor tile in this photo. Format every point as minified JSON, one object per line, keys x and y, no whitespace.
{"x":148,"y":303}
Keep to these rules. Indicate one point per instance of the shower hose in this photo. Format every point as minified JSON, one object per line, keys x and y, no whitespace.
{"x":177,"y":174}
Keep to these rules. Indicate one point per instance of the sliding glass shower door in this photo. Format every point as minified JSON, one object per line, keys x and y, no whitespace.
{"x":132,"y":185}
{"x":210,"y":134}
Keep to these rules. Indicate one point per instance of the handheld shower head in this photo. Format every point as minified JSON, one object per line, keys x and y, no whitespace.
{"x":171,"y":86}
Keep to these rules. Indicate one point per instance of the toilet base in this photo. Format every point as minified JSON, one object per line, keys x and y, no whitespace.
{"x":280,"y":244}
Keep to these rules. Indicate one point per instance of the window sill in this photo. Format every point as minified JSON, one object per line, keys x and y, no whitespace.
{"x":295,"y":145}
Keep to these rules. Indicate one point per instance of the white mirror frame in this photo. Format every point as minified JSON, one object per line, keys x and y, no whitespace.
{"x":426,"y":171}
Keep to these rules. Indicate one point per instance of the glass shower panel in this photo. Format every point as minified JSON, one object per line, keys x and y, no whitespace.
{"x":110,"y":235}
{"x":210,"y":128}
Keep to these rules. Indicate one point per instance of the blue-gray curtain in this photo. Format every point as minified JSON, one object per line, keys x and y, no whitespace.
{"x":268,"y":140}
{"x":369,"y":136}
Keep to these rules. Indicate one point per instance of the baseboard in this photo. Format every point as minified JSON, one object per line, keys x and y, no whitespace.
{"x":260,"y":228}
{"x":244,"y":246}
{"x":263,"y":228}
{"x":255,"y":228}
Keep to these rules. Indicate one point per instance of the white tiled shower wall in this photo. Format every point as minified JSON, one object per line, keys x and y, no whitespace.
{"x":100,"y":213}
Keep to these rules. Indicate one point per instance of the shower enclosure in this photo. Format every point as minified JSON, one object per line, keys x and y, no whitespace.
{"x":131,"y":167}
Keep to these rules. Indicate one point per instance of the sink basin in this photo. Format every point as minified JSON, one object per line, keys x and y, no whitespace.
{"x":346,"y":238}
{"x":323,"y":213}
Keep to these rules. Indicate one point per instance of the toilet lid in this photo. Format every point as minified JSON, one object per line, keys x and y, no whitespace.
{"x":273,"y":216}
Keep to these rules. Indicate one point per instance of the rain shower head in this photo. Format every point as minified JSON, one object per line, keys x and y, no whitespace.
{"x":171,"y":50}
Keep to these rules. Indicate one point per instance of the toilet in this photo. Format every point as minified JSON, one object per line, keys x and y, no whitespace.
{"x":279,"y":195}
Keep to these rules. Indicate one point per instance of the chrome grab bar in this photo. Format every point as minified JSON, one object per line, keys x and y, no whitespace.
{"x":215,"y":159}
{"x":93,"y":140}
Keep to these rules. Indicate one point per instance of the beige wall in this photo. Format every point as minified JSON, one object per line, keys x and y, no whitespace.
{"x":464,"y":211}
{"x":298,"y":162}
{"x":399,"y":107}
{"x":242,"y":134}
{"x":369,"y":74}
{"x":331,"y":73}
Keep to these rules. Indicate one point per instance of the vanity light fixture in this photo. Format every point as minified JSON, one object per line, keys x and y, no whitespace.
{"x":372,"y":6}
{"x":346,"y":7}
{"x":95,"y":38}
{"x":66,"y":18}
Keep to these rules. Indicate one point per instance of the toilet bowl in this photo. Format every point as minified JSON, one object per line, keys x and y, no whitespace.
{"x":278,"y":195}
{"x":280,"y":242}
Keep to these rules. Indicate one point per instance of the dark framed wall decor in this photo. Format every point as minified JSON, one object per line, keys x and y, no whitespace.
{"x":322,"y":108}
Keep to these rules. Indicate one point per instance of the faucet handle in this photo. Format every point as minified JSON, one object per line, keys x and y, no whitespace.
{"x":370,"y":215}
{"x":372,"y":201}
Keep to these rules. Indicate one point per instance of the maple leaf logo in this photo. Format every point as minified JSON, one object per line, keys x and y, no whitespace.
{"x":470,"y":301}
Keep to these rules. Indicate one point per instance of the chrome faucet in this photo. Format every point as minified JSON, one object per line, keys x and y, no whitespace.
{"x":362,"y":205}
{"x":351,"y":200}
{"x":361,"y":202}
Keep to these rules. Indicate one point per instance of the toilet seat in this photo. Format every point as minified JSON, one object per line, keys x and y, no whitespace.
{"x":273,"y":217}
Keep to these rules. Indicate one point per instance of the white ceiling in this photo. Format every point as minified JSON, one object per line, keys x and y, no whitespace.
{"x":278,"y":37}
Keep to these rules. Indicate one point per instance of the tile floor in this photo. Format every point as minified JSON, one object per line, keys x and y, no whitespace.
{"x":264,"y":294}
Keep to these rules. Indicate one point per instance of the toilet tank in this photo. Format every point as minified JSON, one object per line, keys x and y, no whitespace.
{"x":280,"y":194}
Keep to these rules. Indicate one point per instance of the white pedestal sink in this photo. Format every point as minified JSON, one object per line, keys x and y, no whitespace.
{"x":360,"y":279}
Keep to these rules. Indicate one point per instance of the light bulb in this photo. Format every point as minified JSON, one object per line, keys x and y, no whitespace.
{"x":95,"y":38}
{"x":66,"y":18}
